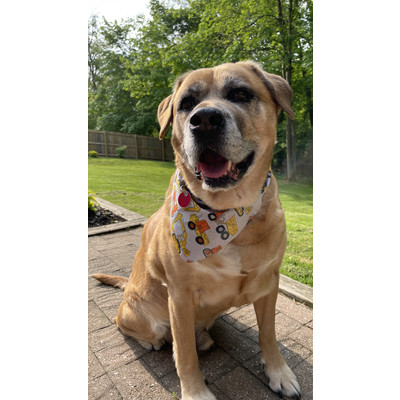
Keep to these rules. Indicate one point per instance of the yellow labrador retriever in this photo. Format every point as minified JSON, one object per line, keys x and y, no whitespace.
{"x":219,"y":238}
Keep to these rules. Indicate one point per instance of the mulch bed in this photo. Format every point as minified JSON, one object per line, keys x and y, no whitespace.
{"x":102,"y":217}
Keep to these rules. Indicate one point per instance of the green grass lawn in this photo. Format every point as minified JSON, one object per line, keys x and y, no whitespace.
{"x":137,"y":185}
{"x":140,"y":186}
{"x":297,"y":201}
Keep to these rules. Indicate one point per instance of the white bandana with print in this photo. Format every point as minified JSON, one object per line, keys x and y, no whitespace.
{"x":199,"y":232}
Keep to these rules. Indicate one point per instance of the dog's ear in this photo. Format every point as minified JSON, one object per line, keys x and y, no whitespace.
{"x":165,"y":115}
{"x":281,"y":92}
{"x":279,"y":89}
{"x":165,"y":112}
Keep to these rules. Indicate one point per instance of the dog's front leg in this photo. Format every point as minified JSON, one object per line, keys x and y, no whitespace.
{"x":182,"y":318}
{"x":281,"y":378}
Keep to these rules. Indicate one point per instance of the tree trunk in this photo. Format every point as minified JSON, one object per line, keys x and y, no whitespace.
{"x":287,"y":50}
{"x":92,"y":67}
{"x":290,"y":150}
{"x":290,"y":135}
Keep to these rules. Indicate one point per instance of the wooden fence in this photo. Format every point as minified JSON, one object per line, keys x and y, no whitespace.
{"x":137,"y":146}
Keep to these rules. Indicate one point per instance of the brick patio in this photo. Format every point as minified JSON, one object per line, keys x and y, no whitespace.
{"x":119,"y":368}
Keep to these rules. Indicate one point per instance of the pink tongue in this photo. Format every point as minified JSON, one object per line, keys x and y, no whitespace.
{"x":212,"y":164}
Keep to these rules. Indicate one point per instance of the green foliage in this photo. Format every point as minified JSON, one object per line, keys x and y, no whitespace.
{"x":110,"y":105}
{"x":93,"y":154}
{"x":93,"y":204}
{"x":121,"y":151}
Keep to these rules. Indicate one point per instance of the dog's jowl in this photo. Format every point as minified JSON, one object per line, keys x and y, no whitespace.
{"x":219,"y":238}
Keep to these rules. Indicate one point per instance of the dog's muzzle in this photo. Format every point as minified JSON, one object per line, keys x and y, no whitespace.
{"x":208,"y":127}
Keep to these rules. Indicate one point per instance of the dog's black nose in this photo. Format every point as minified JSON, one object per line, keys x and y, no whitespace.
{"x":207,"y":120}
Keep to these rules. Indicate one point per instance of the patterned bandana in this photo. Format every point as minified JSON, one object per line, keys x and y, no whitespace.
{"x":200,"y":232}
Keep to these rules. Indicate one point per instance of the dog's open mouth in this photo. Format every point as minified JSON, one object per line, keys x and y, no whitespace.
{"x":217,"y":171}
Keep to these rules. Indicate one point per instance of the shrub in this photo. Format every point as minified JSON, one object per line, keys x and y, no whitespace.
{"x":93,"y":204}
{"x":121,"y":151}
{"x":93,"y":154}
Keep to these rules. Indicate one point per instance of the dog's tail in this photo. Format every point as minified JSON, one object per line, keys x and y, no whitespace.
{"x":112,"y":280}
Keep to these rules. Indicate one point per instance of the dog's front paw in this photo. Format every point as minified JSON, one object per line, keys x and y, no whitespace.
{"x":205,"y":395}
{"x":283,"y":382}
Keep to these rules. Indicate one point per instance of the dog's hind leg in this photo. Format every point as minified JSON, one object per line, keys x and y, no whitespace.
{"x":135,"y":323}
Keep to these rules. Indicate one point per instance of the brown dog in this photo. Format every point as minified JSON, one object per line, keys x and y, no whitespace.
{"x":219,"y":238}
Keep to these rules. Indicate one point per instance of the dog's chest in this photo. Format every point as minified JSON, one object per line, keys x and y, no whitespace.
{"x":220,"y":281}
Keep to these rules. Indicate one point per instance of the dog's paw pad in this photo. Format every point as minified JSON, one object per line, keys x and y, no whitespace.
{"x":283,"y":382}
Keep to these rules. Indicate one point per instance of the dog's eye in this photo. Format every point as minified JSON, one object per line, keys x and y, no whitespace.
{"x":187,"y":103}
{"x":239,"y":95}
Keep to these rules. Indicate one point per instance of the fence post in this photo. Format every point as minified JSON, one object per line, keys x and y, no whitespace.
{"x":136,"y":148}
{"x":163,"y":150}
{"x":105,"y":143}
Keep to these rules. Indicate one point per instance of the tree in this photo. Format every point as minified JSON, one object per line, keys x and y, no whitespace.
{"x":110,"y":106}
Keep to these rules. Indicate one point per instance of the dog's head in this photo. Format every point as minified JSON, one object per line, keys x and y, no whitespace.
{"x":224,"y":130}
